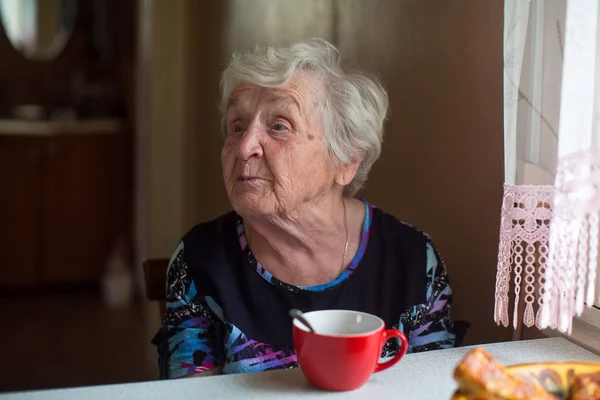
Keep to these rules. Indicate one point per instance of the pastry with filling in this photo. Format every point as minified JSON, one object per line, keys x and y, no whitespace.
{"x":480,"y":396}
{"x":480,"y":377}
{"x":585,"y":387}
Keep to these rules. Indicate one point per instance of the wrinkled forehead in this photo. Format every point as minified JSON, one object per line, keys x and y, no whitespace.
{"x":303,"y":94}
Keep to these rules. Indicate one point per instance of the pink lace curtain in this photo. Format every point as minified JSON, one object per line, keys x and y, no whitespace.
{"x":547,"y":254}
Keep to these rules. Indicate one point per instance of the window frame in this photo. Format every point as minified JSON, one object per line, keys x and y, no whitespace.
{"x":585,"y":331}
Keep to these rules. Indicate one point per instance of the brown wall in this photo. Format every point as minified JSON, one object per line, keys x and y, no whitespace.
{"x":442,"y":163}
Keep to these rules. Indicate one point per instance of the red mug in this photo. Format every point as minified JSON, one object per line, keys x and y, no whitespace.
{"x":345,"y":350}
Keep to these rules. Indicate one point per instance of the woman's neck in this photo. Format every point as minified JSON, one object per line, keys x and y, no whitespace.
{"x":306,"y":247}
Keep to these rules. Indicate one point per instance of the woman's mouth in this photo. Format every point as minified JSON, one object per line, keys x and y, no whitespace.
{"x":248,"y":179}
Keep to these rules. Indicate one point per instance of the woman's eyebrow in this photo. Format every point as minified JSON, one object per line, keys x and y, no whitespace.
{"x":236,"y":105}
{"x":232,"y":102}
{"x":288,"y":102}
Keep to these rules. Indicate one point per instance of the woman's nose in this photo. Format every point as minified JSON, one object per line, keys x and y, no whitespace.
{"x":250,"y":145}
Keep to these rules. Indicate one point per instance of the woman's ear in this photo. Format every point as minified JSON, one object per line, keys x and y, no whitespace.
{"x":346,"y":173}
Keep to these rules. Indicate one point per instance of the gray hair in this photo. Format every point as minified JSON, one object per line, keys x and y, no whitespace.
{"x":353,"y":110}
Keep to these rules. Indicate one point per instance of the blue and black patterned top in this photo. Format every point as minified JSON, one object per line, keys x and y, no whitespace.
{"x":226,"y":310}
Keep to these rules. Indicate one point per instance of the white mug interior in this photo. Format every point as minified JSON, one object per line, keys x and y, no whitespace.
{"x":341,"y":323}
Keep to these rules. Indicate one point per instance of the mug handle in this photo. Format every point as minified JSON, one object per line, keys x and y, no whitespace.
{"x":385,"y":337}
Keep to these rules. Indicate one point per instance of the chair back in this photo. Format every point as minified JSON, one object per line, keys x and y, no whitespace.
{"x":155,"y":278}
{"x":460,"y":328}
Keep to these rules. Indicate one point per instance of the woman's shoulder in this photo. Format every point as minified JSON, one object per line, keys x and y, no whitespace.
{"x":395,"y":228}
{"x":213,"y":231}
{"x":208,"y":243}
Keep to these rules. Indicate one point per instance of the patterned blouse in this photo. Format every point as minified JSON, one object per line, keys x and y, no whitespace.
{"x":224,"y":309}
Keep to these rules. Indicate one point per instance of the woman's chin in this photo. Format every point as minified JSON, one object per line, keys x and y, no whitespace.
{"x":250,"y":206}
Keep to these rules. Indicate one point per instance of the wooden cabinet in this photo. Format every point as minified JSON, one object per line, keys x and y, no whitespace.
{"x":64,"y":200}
{"x":21,"y":179}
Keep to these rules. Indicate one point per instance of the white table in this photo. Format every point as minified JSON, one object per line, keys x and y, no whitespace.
{"x":420,"y":376}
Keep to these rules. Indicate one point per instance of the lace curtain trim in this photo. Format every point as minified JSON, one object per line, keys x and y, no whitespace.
{"x":523,"y":252}
{"x":573,"y":258}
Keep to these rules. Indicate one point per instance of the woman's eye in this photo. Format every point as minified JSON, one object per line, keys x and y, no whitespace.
{"x":279,"y":127}
{"x":237,"y":129}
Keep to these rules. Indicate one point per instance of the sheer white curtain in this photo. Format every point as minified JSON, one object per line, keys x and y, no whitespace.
{"x":572,"y":264}
{"x":549,"y":226}
{"x":533,"y":57}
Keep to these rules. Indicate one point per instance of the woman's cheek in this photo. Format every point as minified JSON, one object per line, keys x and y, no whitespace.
{"x":228,"y":153}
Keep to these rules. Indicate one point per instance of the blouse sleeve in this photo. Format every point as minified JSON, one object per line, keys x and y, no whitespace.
{"x":430,"y":325}
{"x":190,"y":340}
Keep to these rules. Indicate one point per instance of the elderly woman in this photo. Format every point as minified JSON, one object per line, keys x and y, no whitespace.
{"x":301,"y":135}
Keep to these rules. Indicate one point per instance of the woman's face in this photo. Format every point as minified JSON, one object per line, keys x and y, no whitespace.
{"x":275,"y":158}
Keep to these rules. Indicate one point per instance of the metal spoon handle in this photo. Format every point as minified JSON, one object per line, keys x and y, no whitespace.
{"x":297,"y":314}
